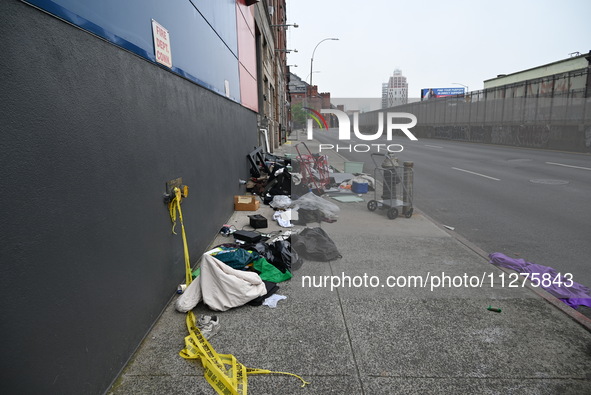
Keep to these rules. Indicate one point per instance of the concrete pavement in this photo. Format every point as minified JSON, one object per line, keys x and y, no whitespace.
{"x":377,"y":339}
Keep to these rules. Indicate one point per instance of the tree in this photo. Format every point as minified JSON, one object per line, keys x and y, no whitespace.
{"x":298,"y":116}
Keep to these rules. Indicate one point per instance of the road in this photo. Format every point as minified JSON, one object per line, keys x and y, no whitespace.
{"x":525,"y":203}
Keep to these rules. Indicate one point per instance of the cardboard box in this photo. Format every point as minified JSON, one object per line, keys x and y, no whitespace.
{"x":246,"y":203}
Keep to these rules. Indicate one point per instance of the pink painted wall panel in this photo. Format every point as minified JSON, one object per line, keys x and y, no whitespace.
{"x":248,"y":90}
{"x":246,"y":56}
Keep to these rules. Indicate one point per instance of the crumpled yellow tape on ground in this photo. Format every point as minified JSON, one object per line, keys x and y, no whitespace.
{"x":222,"y":371}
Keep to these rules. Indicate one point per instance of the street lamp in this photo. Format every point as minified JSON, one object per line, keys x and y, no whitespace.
{"x":287,"y":25}
{"x":312,"y":59}
{"x":465,"y":86}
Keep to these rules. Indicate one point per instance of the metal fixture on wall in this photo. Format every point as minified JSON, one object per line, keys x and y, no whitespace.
{"x":295,"y":25}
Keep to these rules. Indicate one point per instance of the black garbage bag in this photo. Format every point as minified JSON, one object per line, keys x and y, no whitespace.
{"x":315,"y":244}
{"x":279,"y":182}
{"x":306,"y":216}
{"x":264,"y":250}
{"x":280,"y":254}
{"x":286,"y":255}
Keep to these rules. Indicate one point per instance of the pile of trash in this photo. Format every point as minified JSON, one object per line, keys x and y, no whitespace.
{"x":249,"y":270}
{"x":292,"y":185}
{"x":233,"y":274}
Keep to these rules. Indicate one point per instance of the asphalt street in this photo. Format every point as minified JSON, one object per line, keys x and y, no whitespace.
{"x":527,"y":203}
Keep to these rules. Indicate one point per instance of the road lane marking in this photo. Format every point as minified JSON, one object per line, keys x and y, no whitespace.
{"x":477,"y":174}
{"x":574,"y":167}
{"x":432,"y":146}
{"x":548,"y":181}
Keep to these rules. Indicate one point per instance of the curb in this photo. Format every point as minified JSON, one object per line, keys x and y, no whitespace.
{"x":581,"y":319}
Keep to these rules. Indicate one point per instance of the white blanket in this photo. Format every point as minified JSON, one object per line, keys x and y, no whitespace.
{"x":220,"y":287}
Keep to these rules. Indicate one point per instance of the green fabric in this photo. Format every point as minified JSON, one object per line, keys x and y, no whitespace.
{"x":236,"y":258}
{"x":268,"y":272}
{"x":196,"y":273}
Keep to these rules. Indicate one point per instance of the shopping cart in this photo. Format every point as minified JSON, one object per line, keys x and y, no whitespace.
{"x":314,"y":168}
{"x":397,"y":186}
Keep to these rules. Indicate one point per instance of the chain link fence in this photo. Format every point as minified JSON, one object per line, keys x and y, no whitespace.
{"x":549,"y":112}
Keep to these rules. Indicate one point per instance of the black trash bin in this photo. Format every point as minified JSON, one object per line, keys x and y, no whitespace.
{"x":391,"y":178}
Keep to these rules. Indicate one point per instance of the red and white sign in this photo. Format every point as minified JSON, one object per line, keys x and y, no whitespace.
{"x":161,"y":44}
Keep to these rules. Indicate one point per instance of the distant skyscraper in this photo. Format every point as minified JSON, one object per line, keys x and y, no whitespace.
{"x":395,"y":91}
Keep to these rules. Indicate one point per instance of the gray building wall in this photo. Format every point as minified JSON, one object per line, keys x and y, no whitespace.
{"x":89,"y":135}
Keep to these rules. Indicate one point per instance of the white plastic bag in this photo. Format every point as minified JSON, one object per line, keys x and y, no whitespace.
{"x":281,"y":202}
{"x":310,"y":201}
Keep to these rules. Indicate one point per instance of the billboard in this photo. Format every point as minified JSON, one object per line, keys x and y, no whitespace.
{"x":433,"y":93}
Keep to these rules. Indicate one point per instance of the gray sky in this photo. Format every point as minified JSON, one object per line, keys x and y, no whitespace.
{"x":433,"y":42}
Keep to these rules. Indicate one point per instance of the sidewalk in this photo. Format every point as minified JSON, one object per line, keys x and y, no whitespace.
{"x":381,"y":340}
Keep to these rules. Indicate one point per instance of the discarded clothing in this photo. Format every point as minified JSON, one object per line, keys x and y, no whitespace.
{"x":236,"y":258}
{"x":316,"y":245}
{"x":282,"y":218}
{"x":574,"y":294}
{"x":269,"y":272}
{"x":272,"y":300}
{"x":271,"y":289}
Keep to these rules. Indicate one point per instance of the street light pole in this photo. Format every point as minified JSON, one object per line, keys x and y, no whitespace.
{"x":312,"y":58}
{"x":465,"y":86}
{"x":312,"y":71}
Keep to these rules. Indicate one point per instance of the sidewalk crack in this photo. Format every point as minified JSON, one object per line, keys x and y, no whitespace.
{"x":358,"y":372}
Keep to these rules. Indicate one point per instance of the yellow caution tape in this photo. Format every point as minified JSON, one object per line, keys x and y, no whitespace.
{"x":173,"y":206}
{"x":222,"y":371}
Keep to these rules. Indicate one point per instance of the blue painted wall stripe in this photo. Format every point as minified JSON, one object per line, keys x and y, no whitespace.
{"x":203,"y":51}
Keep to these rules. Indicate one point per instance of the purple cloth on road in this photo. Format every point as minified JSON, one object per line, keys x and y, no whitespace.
{"x":574,"y":295}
